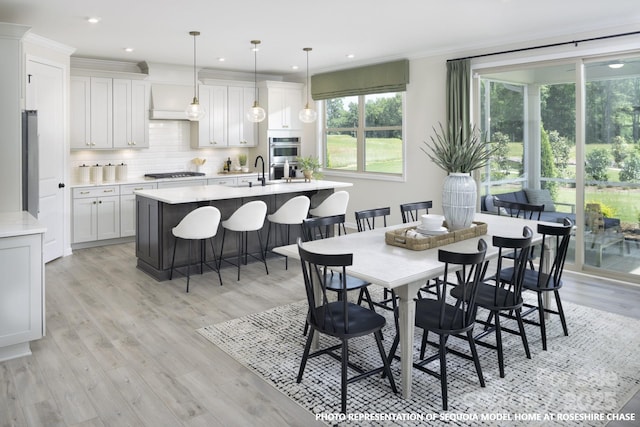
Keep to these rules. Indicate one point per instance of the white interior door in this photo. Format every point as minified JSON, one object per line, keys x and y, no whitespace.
{"x":45,"y":93}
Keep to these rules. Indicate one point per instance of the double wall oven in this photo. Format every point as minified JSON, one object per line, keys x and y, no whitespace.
{"x":282,"y":150}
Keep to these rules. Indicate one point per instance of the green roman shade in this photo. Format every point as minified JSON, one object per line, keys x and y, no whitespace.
{"x":378,"y":78}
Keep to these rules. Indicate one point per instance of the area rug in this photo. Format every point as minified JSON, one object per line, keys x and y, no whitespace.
{"x":583,"y":379}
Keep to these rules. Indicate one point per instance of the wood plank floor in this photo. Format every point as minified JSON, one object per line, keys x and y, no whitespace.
{"x":121,"y":349}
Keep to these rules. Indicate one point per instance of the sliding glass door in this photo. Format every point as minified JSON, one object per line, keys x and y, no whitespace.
{"x":591,"y":176}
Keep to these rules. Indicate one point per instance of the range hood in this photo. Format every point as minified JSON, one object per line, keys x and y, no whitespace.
{"x":168,"y":102}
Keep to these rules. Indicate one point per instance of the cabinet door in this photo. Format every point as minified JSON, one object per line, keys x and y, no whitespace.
{"x":21,"y":289}
{"x":284,"y":106}
{"x":101,"y":112}
{"x":277,"y":119}
{"x":140,"y":95}
{"x":128,"y":215}
{"x":235,"y":116}
{"x":121,"y":113}
{"x":108,"y":217}
{"x":293,"y":101}
{"x":85,"y":220}
{"x":80,"y":112}
{"x":218,"y":114}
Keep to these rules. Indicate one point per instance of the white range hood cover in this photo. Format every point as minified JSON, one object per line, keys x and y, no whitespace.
{"x":169,"y":102}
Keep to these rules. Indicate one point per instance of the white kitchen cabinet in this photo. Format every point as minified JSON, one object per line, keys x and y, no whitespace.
{"x":96,"y":213}
{"x":224,"y":124}
{"x":130,"y":113}
{"x":241,"y":132}
{"x":211,"y":131}
{"x":21,"y":284}
{"x":283,"y":103}
{"x":230,"y":181}
{"x":128,"y":207}
{"x":108,"y":113}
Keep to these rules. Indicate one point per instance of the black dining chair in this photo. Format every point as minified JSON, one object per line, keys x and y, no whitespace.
{"x":365,"y":219}
{"x":319,"y":228}
{"x":519,"y":209}
{"x":339,"y":319}
{"x":548,"y":276}
{"x":411,"y":211}
{"x":499,"y":296}
{"x":445,"y":319}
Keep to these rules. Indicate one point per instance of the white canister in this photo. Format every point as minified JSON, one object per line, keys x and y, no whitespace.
{"x":121,"y":172}
{"x":109,"y":172}
{"x":96,"y":174}
{"x":84,"y":174}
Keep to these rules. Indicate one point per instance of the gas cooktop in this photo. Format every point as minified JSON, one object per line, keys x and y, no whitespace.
{"x":173,"y":175}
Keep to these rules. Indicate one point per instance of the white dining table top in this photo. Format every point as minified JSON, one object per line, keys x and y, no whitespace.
{"x":392,"y":266}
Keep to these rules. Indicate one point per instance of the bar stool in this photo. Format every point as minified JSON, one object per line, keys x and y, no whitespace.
{"x":292,"y":212}
{"x":248,"y":217}
{"x":335,"y":204}
{"x":199,"y":224}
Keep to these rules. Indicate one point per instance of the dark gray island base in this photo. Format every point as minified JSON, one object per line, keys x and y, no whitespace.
{"x":157,"y":214}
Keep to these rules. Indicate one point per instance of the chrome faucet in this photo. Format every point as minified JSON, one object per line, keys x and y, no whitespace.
{"x":263,"y":180}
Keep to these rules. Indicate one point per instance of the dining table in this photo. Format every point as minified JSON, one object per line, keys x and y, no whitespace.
{"x":405,"y":270}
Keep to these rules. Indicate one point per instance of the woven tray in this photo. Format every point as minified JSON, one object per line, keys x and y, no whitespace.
{"x":399,"y":237}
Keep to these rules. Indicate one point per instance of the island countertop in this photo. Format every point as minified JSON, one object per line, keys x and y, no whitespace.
{"x":220,"y":192}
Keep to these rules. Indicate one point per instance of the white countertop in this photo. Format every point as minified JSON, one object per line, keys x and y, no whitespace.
{"x":142,"y":179}
{"x":19,"y":224}
{"x":221,"y":192}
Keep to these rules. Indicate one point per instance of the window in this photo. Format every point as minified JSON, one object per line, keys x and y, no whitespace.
{"x":364,"y":134}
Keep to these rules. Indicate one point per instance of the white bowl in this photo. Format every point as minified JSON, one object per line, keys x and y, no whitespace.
{"x":431,"y":221}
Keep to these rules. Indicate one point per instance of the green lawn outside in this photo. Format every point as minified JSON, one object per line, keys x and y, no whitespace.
{"x":382,"y":154}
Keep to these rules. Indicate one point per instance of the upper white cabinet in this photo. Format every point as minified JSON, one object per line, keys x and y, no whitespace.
{"x":224,"y":124}
{"x":283,"y":103}
{"x":109,"y":113}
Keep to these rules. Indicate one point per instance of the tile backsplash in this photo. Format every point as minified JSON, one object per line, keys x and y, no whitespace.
{"x":169,"y":151}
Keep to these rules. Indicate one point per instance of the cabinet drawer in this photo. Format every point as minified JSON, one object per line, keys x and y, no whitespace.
{"x":83,"y":192}
{"x":222,"y":181}
{"x":128,"y":189}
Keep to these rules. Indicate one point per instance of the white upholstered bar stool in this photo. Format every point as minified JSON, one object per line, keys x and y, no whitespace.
{"x":292,"y":212}
{"x":248,"y":217}
{"x":335,"y":204}
{"x":199,"y":224}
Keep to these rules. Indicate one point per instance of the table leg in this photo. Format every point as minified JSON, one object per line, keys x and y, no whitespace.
{"x":407,"y":312}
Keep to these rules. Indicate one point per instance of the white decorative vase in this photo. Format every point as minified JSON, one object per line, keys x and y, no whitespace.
{"x":459,"y":195}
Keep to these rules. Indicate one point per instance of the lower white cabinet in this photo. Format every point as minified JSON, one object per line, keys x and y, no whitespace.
{"x":96,"y":213}
{"x":128,"y":207}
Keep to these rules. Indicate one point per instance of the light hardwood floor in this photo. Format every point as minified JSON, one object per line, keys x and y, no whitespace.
{"x":121,"y":349}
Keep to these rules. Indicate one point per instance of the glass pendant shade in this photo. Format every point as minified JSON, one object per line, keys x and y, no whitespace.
{"x":307,"y":115}
{"x":256,"y":113}
{"x":195,"y":112}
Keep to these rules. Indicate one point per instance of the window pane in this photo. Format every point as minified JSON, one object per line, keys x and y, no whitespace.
{"x":383,"y":109}
{"x":342,"y":150}
{"x":342,"y":112}
{"x":383,"y":151}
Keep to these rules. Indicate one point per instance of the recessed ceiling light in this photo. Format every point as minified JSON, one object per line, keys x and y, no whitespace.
{"x":294,"y":67}
{"x":93,"y":19}
{"x":128,"y":49}
{"x":350,"y":56}
{"x":221,"y":59}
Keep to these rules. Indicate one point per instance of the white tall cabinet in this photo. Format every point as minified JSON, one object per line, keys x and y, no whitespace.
{"x":283,"y":102}
{"x":22,"y":289}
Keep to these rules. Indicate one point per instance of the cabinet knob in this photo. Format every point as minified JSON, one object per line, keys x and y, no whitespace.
{"x":87,"y":143}
{"x":94,"y":202}
{"x":100,"y":201}
{"x":61,"y":185}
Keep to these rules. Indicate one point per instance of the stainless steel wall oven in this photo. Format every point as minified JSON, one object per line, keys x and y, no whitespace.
{"x":283,"y":149}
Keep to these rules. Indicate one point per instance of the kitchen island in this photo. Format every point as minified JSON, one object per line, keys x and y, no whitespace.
{"x":158,"y":211}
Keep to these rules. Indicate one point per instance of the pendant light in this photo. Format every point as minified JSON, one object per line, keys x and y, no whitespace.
{"x":307,"y":115}
{"x":195,"y":112}
{"x":256,"y":113}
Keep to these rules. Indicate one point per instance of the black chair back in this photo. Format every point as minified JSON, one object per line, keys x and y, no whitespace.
{"x":411,"y":211}
{"x":517,"y":250}
{"x":366,"y":219}
{"x":519,"y":210}
{"x":469,"y":270}
{"x":316,"y":270}
{"x":559,"y":237}
{"x":321,"y":227}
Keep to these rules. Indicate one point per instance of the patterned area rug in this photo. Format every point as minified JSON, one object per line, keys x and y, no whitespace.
{"x":580,"y":381}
